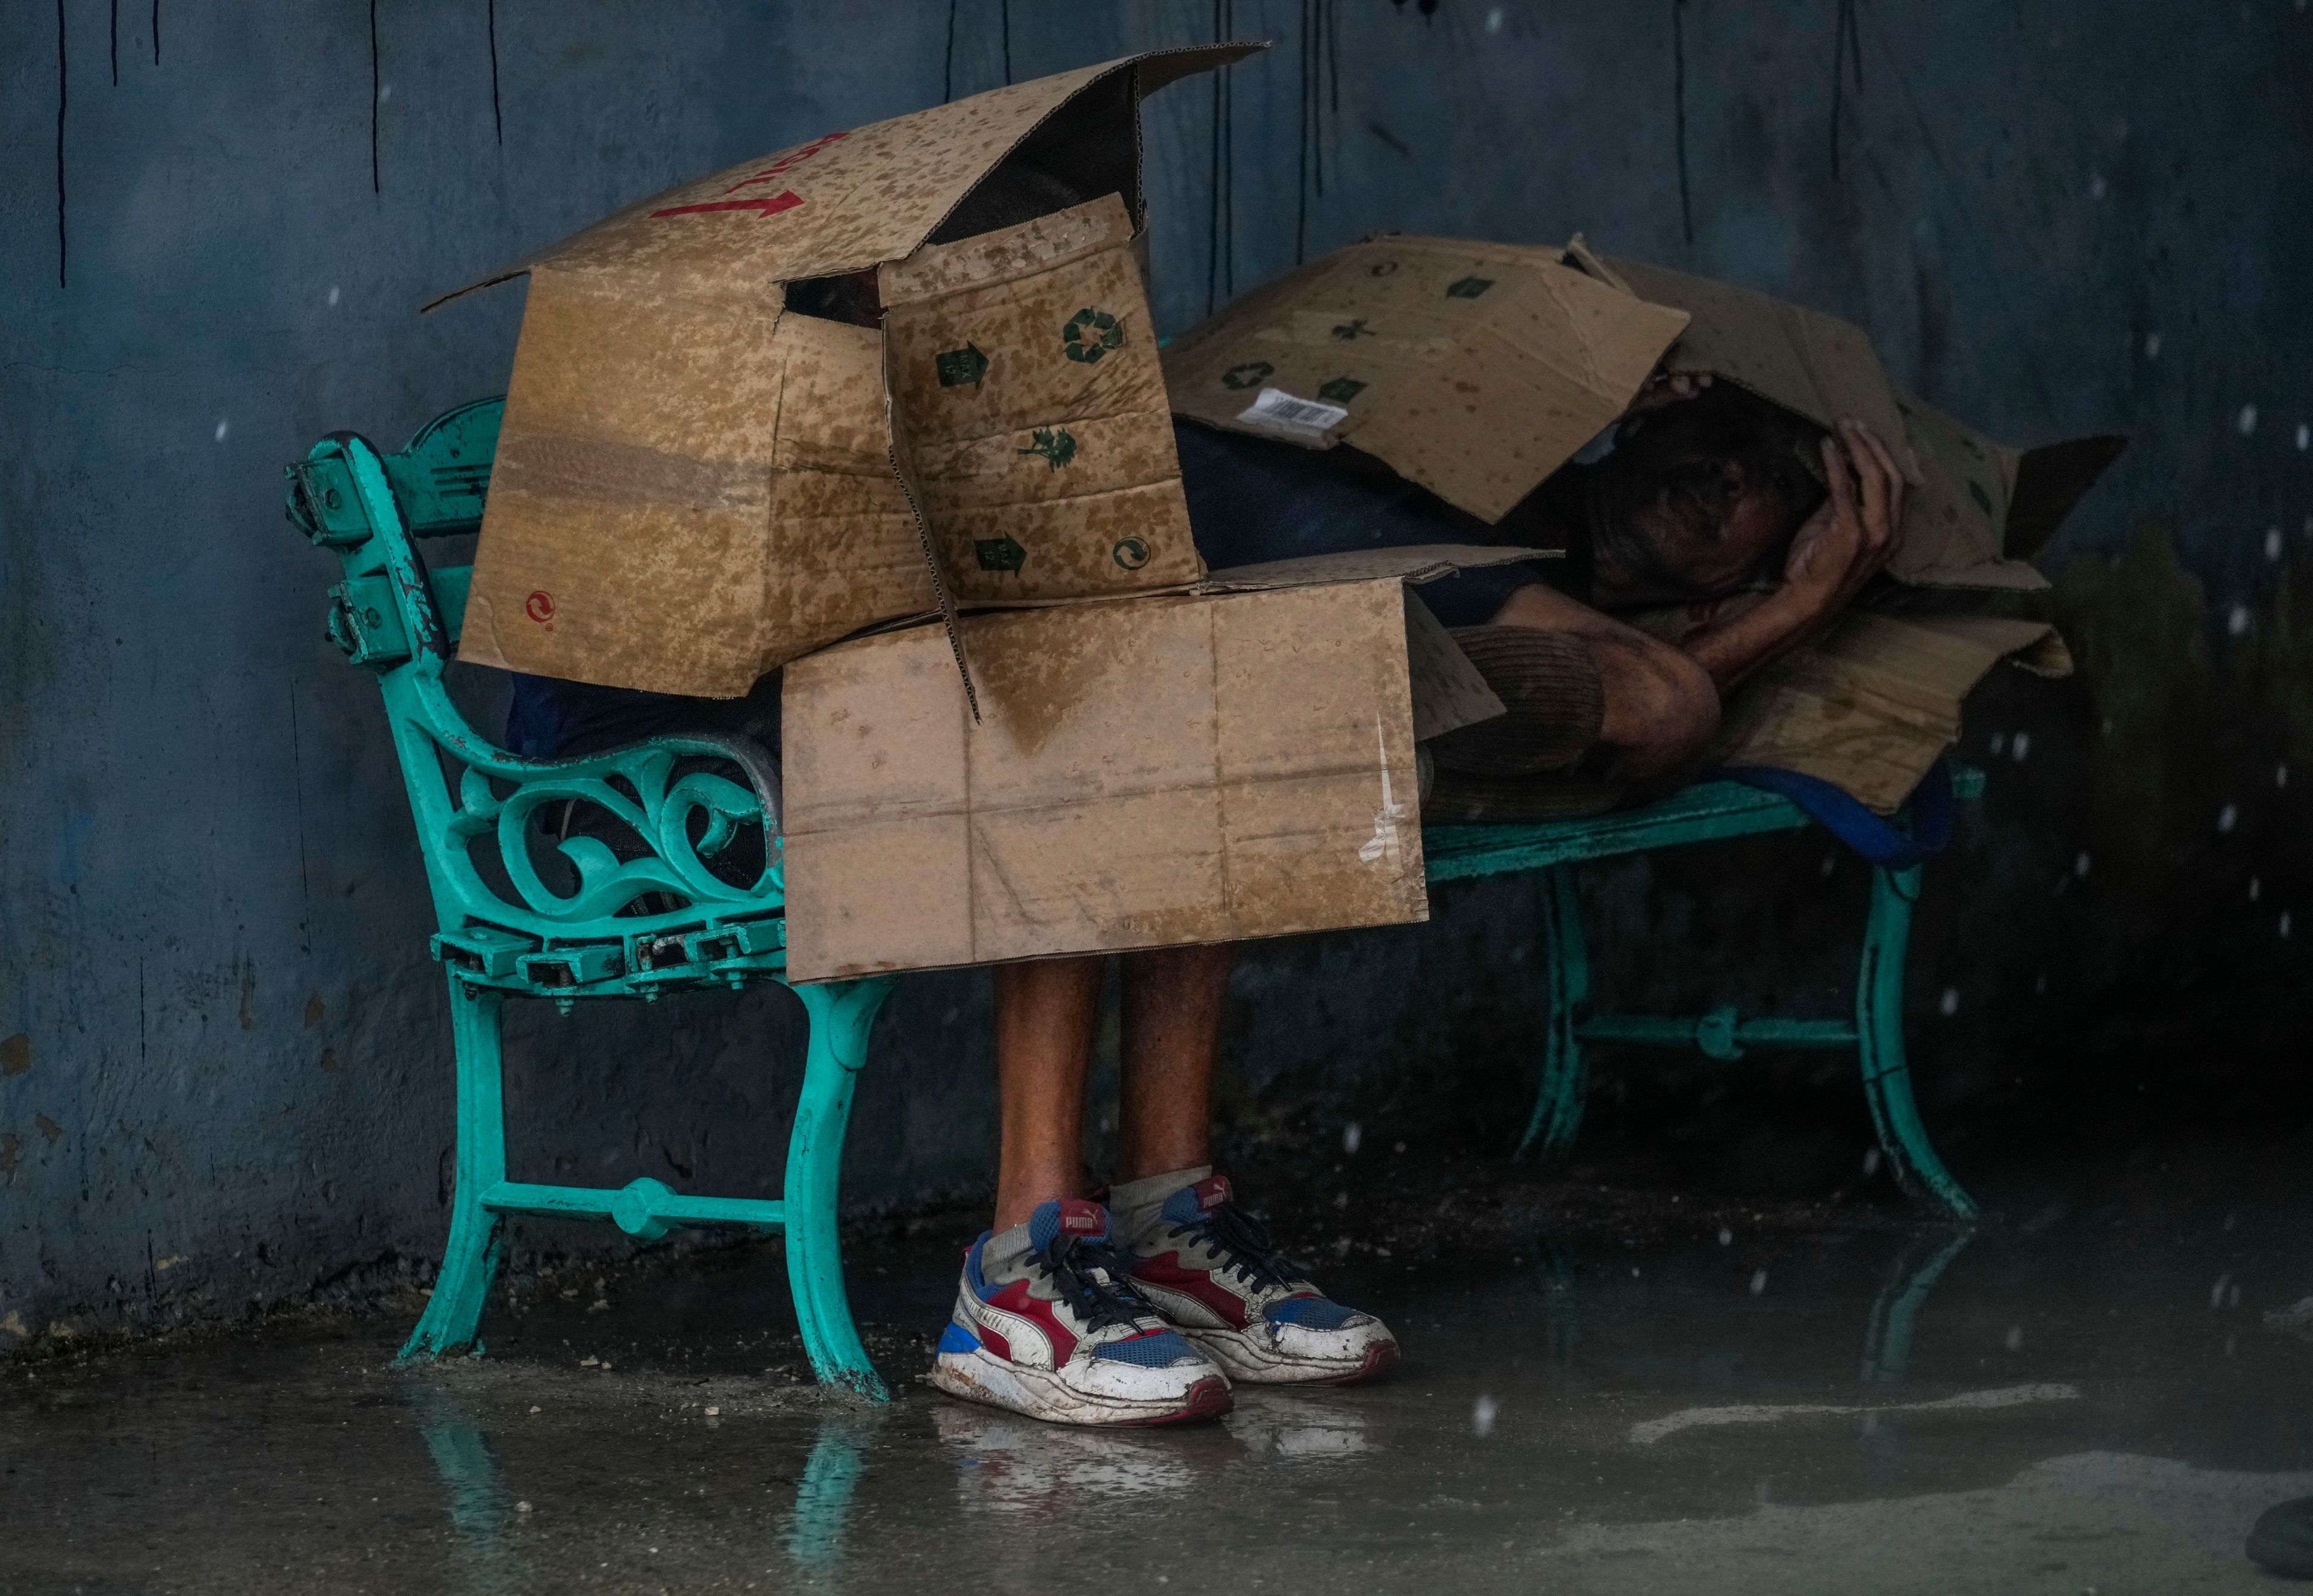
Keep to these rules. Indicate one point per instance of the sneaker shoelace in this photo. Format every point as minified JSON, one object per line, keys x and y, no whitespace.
{"x":1242,"y":1244}
{"x":1090,"y":1277}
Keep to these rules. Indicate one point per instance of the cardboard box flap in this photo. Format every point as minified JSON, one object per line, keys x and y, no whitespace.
{"x":1811,"y":363}
{"x":1411,"y":563}
{"x":1473,"y":369}
{"x":846,"y":201}
{"x":1870,"y":705}
{"x":1983,"y":508}
{"x":2046,"y":482}
{"x":1029,"y":414}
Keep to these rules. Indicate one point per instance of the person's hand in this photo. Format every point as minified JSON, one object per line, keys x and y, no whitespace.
{"x":1846,"y":542}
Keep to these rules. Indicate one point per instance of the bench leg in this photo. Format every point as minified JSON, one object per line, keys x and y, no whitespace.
{"x":470,"y":1260}
{"x":841,"y":1014}
{"x":1565,"y":1065}
{"x":1880,"y":1042}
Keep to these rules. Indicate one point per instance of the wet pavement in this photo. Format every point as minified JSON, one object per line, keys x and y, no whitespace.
{"x":1604,"y":1391}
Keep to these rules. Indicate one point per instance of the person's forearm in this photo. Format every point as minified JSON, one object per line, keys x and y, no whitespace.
{"x":1730,"y":648}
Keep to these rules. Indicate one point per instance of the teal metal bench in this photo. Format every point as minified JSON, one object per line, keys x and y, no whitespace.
{"x":698,"y":901}
{"x":1709,"y":812}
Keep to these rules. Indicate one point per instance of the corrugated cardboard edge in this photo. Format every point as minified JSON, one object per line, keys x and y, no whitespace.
{"x":1152,"y":70}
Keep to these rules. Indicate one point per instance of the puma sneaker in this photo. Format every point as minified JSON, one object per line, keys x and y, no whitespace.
{"x":1209,"y":1268}
{"x":1047,"y":1323}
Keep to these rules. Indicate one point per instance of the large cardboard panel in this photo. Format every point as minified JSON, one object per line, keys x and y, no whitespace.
{"x":643,"y":531}
{"x":1811,"y":363}
{"x":686,"y":493}
{"x":1870,"y":705}
{"x":1030,"y":420}
{"x":845,"y":201}
{"x":1149,"y":772}
{"x":1473,"y":369}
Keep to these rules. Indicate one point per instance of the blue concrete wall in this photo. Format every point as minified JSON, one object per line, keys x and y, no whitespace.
{"x":223,"y":1052}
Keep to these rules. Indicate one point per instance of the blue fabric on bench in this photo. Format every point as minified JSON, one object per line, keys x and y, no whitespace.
{"x":1879,"y":840}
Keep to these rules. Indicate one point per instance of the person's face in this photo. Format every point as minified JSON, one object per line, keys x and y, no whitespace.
{"x":1700,"y":520}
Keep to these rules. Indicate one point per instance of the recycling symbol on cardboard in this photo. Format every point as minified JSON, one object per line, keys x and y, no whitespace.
{"x":1247,"y":375}
{"x":1131,"y":553}
{"x":1091,"y":334}
{"x":1055,"y":444}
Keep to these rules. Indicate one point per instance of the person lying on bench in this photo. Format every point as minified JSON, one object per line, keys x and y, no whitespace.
{"x":1142,"y":1308}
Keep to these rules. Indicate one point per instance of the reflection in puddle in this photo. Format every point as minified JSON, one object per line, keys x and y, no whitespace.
{"x":1007,"y":1464}
{"x":478,"y":1508}
{"x":1295,"y":1429}
{"x":823,"y":1504}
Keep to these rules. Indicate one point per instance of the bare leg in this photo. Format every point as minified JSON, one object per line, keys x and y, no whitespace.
{"x":1044,"y":1015}
{"x":1173,"y":1000}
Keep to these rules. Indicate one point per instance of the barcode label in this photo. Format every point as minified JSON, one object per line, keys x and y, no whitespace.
{"x":1280,"y":412}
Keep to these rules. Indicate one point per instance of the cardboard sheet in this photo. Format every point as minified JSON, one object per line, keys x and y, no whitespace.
{"x":1145,"y":773}
{"x":1870,"y":705}
{"x":1473,"y":369}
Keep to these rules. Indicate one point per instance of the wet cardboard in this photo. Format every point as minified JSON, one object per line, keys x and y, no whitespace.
{"x":1029,"y":417}
{"x":1473,"y":369}
{"x":1984,"y":509}
{"x":646,"y":528}
{"x":1976,"y":510}
{"x":1872,"y":703}
{"x":1234,"y":761}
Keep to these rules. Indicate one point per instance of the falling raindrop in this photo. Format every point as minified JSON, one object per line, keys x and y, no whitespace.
{"x":2020,"y":746}
{"x":2247,"y":420}
{"x":2232,"y":1220}
{"x":1494,"y":20}
{"x":1351,"y":1135}
{"x":2014,"y":1336}
{"x":1400,"y":1147}
{"x":2232,"y":1297}
{"x":1758,"y":1282}
{"x":1951,"y":1004}
{"x":2040,"y":983}
{"x":2304,"y":432}
{"x":1871,"y":1161}
{"x":1482,"y":1416}
{"x":1998,"y":743}
{"x":223,"y":426}
{"x":1830,"y":863}
{"x":1634,"y":1271}
{"x":2273,"y":543}
{"x":2284,"y":921}
{"x":1726,"y":1237}
{"x":2227,"y":816}
{"x":385,"y":92}
{"x":2151,"y":346}
{"x":333,"y":293}
{"x":2255,"y":886}
{"x":2280,"y":775}
{"x":2217,"y":1292}
{"x":2097,"y":186}
{"x":2237,"y":623}
{"x":2081,"y":864}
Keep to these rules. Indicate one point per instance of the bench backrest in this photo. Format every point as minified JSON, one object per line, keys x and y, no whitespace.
{"x":676,"y":803}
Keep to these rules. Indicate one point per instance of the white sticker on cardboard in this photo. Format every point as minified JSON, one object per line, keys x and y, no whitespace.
{"x":1280,"y":411}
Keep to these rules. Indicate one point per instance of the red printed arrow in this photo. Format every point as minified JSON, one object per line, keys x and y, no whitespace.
{"x":770,"y":206}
